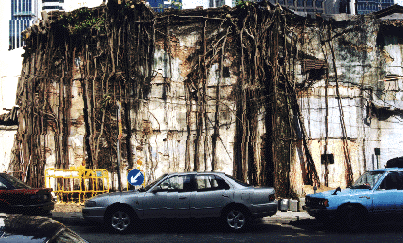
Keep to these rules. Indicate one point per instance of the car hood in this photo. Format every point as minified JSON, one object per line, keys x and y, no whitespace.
{"x":343,"y":192}
{"x":32,"y":190}
{"x":119,"y":194}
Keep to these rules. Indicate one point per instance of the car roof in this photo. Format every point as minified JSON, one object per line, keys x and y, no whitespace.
{"x":389,"y":169}
{"x":196,"y":172}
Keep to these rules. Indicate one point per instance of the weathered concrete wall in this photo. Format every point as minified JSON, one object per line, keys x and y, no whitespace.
{"x":163,"y":150}
{"x":7,"y":134}
{"x":365,"y":57}
{"x":159,"y":125}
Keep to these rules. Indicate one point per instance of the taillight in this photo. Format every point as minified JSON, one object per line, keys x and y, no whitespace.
{"x":272,"y":197}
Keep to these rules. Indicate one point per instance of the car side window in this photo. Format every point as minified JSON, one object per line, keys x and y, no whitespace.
{"x":392,"y":181}
{"x":210,"y":183}
{"x":178,"y":183}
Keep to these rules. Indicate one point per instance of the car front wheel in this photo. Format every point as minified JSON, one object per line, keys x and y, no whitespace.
{"x":235,"y":219}
{"x":120,"y":220}
{"x":352,"y":219}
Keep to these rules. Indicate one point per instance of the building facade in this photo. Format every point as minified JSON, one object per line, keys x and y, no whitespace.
{"x":23,"y":14}
{"x":160,"y":5}
{"x":318,"y":6}
{"x":366,"y":7}
{"x":52,"y":5}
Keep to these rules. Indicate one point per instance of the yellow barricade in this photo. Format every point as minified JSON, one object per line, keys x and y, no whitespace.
{"x":79,"y":181}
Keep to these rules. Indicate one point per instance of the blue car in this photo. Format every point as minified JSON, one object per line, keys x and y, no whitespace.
{"x":375,"y":193}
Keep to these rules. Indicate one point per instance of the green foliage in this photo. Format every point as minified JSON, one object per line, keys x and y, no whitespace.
{"x":177,"y":4}
{"x":106,"y":101}
{"x":129,"y":3}
{"x":243,"y":4}
{"x":82,"y":20}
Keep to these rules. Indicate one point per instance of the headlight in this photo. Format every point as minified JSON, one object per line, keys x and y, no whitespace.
{"x":324,"y":202}
{"x":39,"y":197}
{"x":89,"y":204}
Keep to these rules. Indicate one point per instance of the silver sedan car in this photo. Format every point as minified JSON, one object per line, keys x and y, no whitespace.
{"x":184,"y":195}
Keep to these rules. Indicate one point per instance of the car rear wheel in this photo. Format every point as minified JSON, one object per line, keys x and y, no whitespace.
{"x":120,"y":220}
{"x":235,"y":219}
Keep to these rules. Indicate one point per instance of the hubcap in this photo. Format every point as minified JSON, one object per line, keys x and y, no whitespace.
{"x":235,"y":219}
{"x":120,"y":220}
{"x":353,"y":220}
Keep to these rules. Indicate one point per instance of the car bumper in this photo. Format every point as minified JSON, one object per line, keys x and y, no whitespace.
{"x":47,"y":206}
{"x":94,"y":214}
{"x":264,"y":210}
{"x":320,"y":212}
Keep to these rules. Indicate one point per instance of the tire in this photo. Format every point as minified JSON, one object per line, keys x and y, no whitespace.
{"x":45,"y":213}
{"x":351,"y":219}
{"x":321,"y":219}
{"x":235,"y":219}
{"x":120,"y":220}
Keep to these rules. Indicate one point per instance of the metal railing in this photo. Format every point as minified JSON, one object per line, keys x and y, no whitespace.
{"x":77,"y":182}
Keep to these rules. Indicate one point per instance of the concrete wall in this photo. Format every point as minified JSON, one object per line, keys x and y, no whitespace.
{"x":160,"y":127}
{"x":7,"y":134}
{"x":364,"y":62}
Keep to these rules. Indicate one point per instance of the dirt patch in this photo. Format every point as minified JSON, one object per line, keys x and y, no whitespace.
{"x":68,"y":207}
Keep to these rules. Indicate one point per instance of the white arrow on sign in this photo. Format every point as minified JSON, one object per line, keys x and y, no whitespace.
{"x":134,"y":179}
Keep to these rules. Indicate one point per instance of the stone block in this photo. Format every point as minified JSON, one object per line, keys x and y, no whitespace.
{"x":301,"y":203}
{"x":293,"y":205}
{"x":283,"y":205}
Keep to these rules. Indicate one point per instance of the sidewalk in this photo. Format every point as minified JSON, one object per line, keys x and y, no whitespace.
{"x":287,"y":217}
{"x":279,"y":218}
{"x":68,"y":218}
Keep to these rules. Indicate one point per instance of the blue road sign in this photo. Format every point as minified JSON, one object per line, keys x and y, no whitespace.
{"x":135,"y":177}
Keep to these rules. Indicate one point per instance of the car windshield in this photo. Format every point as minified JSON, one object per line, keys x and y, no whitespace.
{"x":239,"y":181}
{"x":367,"y":180}
{"x":153,"y":183}
{"x":16,"y":182}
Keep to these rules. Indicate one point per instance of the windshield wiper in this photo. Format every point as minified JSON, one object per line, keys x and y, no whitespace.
{"x":363,"y":186}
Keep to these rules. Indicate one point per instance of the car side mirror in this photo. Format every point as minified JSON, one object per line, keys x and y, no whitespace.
{"x":338,"y":189}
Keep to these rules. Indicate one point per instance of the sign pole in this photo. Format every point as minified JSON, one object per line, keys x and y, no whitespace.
{"x":118,"y":143}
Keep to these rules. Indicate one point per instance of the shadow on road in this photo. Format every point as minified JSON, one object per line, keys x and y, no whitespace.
{"x":187,"y":226}
{"x":203,"y":226}
{"x":373,"y":227}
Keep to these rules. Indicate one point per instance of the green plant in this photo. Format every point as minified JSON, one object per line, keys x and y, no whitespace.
{"x":177,"y":4}
{"x":242,"y":4}
{"x":81,"y":20}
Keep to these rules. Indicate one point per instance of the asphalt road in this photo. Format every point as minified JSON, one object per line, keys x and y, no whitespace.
{"x":307,"y":230}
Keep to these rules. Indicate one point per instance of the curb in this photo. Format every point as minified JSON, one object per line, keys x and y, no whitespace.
{"x":68,"y":218}
{"x":289,"y":217}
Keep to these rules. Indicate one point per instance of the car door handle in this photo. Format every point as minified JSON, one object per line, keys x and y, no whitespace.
{"x":225,"y":195}
{"x":182,"y":197}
